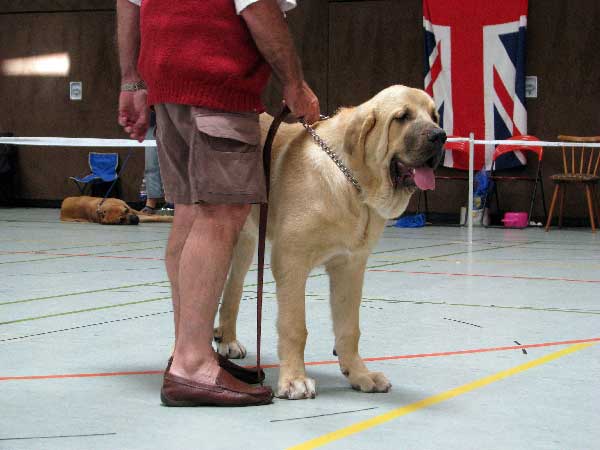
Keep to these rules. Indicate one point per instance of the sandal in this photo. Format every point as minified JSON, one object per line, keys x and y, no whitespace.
{"x":149,"y":210}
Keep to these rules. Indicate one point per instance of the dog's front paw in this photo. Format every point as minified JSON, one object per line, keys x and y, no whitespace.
{"x":231,"y":350}
{"x":370,"y":382}
{"x":297,"y":388}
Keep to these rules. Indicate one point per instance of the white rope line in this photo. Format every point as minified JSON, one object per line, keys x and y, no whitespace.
{"x":93,"y":142}
{"x":90,"y":142}
{"x":526,"y":143}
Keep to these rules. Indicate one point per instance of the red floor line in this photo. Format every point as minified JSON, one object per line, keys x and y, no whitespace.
{"x":318,"y":363}
{"x":82,"y":375}
{"x":518,"y":277}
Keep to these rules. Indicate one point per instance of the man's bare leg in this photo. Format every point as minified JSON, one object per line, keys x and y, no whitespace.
{"x":203,"y":265}
{"x":182,"y":224}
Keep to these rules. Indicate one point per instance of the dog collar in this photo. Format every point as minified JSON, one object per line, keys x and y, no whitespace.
{"x":98,"y":212}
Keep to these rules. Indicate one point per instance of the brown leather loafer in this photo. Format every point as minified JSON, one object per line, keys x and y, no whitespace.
{"x":250,"y":376}
{"x":226,"y":391}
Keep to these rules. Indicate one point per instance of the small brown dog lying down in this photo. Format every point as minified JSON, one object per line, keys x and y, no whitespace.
{"x":110,"y":212}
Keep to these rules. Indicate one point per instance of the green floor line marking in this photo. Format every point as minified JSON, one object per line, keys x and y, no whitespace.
{"x":325,"y":297}
{"x":82,"y":256}
{"x":406,"y":261}
{"x":165,"y":281}
{"x":78,"y":311}
{"x":50,"y":297}
{"x":522,"y":262}
{"x":415,"y":248}
{"x":443,"y":256}
{"x":116,"y":244}
{"x":245,"y":286}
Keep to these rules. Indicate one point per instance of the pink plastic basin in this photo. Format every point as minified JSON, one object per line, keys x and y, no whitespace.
{"x":515,"y":219}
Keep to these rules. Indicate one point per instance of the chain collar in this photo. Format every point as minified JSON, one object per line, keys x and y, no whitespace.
{"x":334,"y":157}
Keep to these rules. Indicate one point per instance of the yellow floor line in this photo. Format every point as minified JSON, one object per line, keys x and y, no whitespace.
{"x":378,"y":420}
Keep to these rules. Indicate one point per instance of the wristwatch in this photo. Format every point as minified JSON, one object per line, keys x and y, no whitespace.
{"x":133,"y":87}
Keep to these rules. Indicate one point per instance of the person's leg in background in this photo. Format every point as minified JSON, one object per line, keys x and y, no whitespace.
{"x":154,"y":185}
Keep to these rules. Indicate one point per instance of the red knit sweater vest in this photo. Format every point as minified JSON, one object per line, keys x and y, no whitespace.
{"x":201,"y":53}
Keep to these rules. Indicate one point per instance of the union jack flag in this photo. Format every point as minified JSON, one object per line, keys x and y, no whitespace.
{"x":475,"y":72}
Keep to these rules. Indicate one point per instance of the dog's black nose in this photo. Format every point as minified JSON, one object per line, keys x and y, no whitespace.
{"x":133,"y":219}
{"x":437,"y":136}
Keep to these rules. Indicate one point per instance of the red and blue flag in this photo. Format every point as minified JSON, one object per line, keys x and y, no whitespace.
{"x":475,"y":72}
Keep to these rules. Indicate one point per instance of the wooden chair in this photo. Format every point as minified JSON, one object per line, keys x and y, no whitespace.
{"x":580,"y":167}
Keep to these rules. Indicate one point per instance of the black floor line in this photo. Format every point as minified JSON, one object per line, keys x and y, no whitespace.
{"x":518,"y":343}
{"x":84,"y":326}
{"x":57,"y":437}
{"x":322,"y":415}
{"x":466,"y":323}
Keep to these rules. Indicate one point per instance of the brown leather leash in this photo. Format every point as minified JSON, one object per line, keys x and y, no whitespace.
{"x":262,"y":227}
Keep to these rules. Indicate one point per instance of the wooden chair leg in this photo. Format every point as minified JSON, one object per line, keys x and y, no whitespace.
{"x":596,"y":203}
{"x":588,"y":194}
{"x":597,"y":199}
{"x":561,"y":205}
{"x":552,"y":205}
{"x":543,"y":197}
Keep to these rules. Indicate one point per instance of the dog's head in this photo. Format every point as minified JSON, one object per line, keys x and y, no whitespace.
{"x":116,"y":212}
{"x":395,"y":144}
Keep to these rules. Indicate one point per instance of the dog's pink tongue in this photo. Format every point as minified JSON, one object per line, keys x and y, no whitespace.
{"x":424,"y":178}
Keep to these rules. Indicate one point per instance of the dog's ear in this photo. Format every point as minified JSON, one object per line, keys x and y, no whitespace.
{"x":356,"y":133}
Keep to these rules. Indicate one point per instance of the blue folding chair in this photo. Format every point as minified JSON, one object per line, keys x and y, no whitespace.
{"x":104,"y":170}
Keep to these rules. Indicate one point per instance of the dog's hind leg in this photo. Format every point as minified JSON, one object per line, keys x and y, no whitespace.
{"x":225,"y":333}
{"x":346,"y":277}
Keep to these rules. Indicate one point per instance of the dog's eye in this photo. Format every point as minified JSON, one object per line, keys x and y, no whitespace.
{"x":405,"y":115}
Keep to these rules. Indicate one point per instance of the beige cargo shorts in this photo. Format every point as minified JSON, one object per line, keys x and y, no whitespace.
{"x":209,"y":156}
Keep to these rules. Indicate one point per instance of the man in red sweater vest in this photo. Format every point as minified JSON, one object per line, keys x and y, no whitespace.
{"x":203,"y":66}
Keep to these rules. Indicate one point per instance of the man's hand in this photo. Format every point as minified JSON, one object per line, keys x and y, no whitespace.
{"x":134,"y":114}
{"x":302,"y":101}
{"x":274,"y":41}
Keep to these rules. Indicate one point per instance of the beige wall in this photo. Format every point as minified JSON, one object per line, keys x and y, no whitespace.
{"x":350,"y":50}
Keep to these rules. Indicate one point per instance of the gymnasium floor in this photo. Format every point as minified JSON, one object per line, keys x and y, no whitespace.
{"x":493,"y":346}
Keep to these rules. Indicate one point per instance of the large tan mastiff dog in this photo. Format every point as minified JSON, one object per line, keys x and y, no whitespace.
{"x":391,"y":144}
{"x":111,"y":211}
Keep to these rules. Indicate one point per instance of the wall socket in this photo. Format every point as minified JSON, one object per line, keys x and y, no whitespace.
{"x":531,"y":87}
{"x":76,"y":90}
